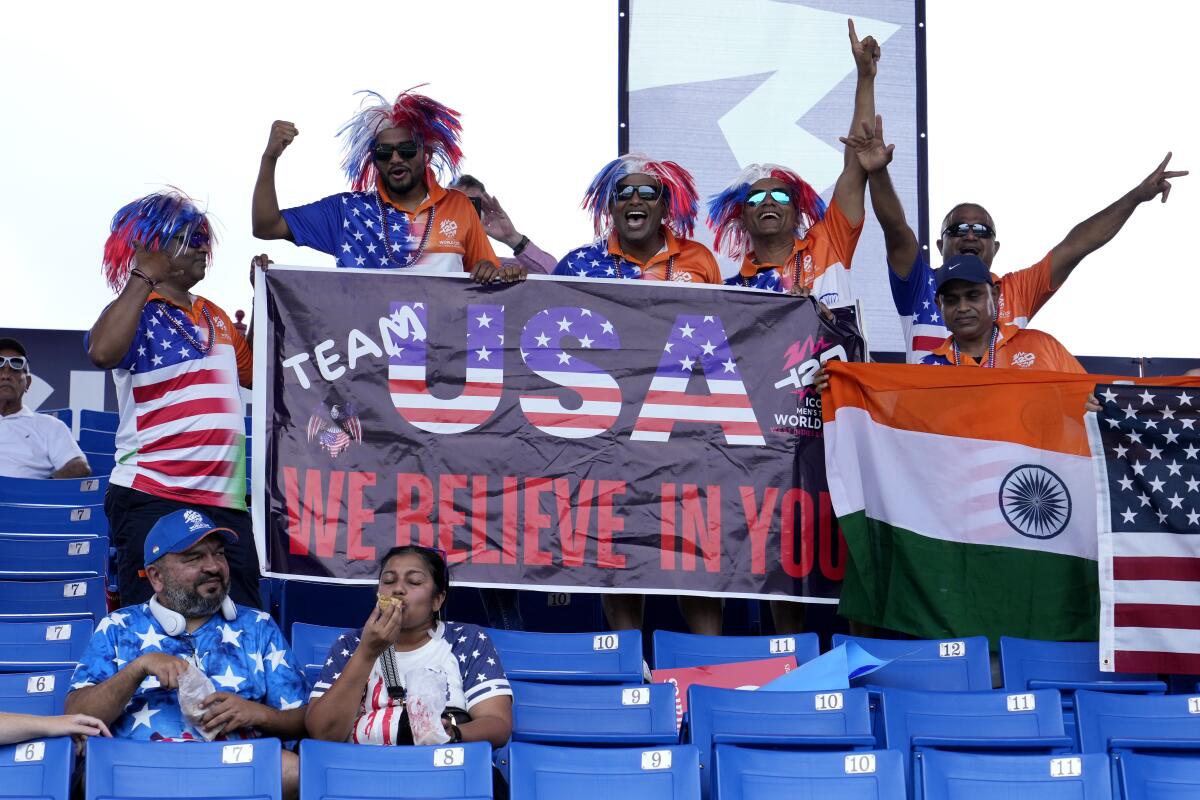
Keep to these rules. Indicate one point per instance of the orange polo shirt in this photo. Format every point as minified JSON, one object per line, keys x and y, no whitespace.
{"x":1016,"y":348}
{"x":694,"y":263}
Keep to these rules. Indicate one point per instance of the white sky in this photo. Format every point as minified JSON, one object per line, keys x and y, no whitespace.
{"x":1044,"y":112}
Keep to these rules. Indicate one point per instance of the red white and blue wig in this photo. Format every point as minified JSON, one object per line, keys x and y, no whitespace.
{"x":152,"y":221}
{"x":725,"y":207}
{"x":433,"y":126}
{"x":680,"y":198}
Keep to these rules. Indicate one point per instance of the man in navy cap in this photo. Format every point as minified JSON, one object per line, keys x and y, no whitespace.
{"x":130,"y":674}
{"x":968,"y":300}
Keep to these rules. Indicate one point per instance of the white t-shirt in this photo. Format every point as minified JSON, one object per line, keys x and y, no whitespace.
{"x":34,"y":445}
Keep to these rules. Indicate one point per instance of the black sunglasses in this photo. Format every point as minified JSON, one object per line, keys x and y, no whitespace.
{"x":406,"y":150}
{"x":17,"y":363}
{"x":195,"y":241}
{"x":778,"y":195}
{"x":976,"y":229}
{"x":644,"y":191}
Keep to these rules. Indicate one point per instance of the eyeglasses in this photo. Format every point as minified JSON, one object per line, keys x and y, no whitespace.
{"x":778,"y":195}
{"x":976,"y":229}
{"x":195,"y":241}
{"x":406,"y":150}
{"x":644,"y":191}
{"x":17,"y":363}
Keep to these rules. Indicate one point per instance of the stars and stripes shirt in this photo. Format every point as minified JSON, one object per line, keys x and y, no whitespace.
{"x":1145,"y":445}
{"x":366,"y":230}
{"x":462,"y":651}
{"x":1022,"y":294}
{"x":246,"y":656}
{"x":821,"y":261}
{"x":182,"y":432}
{"x":690,"y":262}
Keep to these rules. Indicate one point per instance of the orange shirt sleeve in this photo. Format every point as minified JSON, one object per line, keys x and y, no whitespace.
{"x":1027,"y":290}
{"x":476,"y":245}
{"x":841,"y":236}
{"x":712,"y":271}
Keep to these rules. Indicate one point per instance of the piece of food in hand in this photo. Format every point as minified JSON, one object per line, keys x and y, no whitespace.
{"x":386,"y":601}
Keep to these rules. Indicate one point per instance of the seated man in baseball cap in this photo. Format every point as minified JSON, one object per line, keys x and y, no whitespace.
{"x":968,"y":298}
{"x":131,"y":674}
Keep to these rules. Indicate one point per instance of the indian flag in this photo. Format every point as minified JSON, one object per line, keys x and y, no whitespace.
{"x":967,"y":500}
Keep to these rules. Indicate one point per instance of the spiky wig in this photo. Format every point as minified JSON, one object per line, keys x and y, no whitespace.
{"x":725,"y":207}
{"x":432,"y":124}
{"x":152,"y":221}
{"x":681,"y":199}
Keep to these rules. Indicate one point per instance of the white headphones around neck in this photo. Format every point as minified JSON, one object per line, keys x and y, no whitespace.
{"x":173,"y":623}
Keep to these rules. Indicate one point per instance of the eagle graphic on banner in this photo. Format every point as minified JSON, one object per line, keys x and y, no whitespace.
{"x":334,"y":429}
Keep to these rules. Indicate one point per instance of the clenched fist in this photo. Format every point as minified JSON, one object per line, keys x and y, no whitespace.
{"x":282,"y":134}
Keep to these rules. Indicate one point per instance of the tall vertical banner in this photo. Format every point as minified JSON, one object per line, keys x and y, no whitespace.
{"x":559,"y":434}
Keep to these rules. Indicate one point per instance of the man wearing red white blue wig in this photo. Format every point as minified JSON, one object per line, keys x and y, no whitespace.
{"x":643,"y":212}
{"x":779,"y":227}
{"x":397,"y":214}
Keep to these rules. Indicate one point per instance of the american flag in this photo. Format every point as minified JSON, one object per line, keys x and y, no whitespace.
{"x":484,"y":372}
{"x":698,"y":343}
{"x":185,"y":436}
{"x":542,"y":351}
{"x":920,"y":318}
{"x":1146,"y":446}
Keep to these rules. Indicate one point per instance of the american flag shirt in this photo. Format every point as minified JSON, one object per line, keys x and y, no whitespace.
{"x":367,"y":231}
{"x":1022,"y":294}
{"x":246,"y":656}
{"x":182,"y":432}
{"x":690,"y":262}
{"x":1145,"y":444}
{"x":462,"y":651}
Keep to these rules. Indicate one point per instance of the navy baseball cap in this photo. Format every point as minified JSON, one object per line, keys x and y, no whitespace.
{"x":962,"y":267}
{"x":178,"y":531}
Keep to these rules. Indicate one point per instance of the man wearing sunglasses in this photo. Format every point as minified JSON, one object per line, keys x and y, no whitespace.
{"x":643,"y":212}
{"x":778,"y":226}
{"x":968,"y":229}
{"x":178,"y":365}
{"x":397,"y":215}
{"x":31,"y":445}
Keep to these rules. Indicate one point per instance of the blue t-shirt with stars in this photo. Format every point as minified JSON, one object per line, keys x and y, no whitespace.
{"x":463,"y":652}
{"x":594,"y":261}
{"x":246,"y":656}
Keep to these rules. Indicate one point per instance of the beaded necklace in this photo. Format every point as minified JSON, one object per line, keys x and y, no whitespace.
{"x":383,"y":220}
{"x":991,"y":359}
{"x":749,"y":282}
{"x":182,"y":330}
{"x":670,"y":266}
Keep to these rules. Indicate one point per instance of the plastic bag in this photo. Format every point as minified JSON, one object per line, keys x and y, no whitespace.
{"x":194,"y":688}
{"x":425,"y":699}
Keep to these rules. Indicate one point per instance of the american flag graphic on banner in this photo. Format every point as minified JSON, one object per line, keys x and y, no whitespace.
{"x":698,"y":343}
{"x":484,"y":373}
{"x":599,"y":402}
{"x":1146,"y":449}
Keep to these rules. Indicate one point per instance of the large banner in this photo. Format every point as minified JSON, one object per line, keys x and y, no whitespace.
{"x":559,"y":435}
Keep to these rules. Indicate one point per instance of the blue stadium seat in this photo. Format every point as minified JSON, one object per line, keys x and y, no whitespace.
{"x":94,"y":441}
{"x":981,"y":721}
{"x":126,"y":768}
{"x":65,"y":415}
{"x":609,"y":657}
{"x":42,"y":646}
{"x":673,"y":649}
{"x":1137,"y":722}
{"x":40,"y":769}
{"x":53,"y":601}
{"x":795,"y":720}
{"x":50,"y":557}
{"x":54,"y":520}
{"x":955,"y":776}
{"x":565,"y":713}
{"x":310,"y":646}
{"x":751,"y":773}
{"x":1141,"y":776}
{"x":561,"y":612}
{"x":59,"y":492}
{"x":341,"y":771}
{"x":99,"y":420}
{"x":1068,"y":667}
{"x":42,"y":693}
{"x":101,"y":463}
{"x":330,"y":604}
{"x":947,"y":665}
{"x":545,"y":772}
